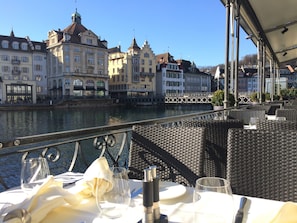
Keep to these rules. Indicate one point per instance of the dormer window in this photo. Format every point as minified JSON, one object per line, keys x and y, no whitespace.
{"x":24,"y":46}
{"x":89,"y":41}
{"x":15,"y":45}
{"x":4,"y":44}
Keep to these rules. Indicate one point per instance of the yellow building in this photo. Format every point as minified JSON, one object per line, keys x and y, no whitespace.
{"x":77,"y":62}
{"x":132,"y":73}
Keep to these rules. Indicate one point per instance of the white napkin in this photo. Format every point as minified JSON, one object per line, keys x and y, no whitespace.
{"x":52,"y":197}
{"x":44,"y":199}
{"x":97,"y":175}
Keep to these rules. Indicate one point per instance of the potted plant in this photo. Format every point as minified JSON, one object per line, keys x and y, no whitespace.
{"x":217,"y":99}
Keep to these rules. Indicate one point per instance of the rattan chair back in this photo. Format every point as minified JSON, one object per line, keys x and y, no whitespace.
{"x":216,"y":143}
{"x":178,"y":152}
{"x":290,"y":114}
{"x":263,"y":163}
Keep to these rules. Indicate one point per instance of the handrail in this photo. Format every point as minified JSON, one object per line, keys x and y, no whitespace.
{"x":74,"y":150}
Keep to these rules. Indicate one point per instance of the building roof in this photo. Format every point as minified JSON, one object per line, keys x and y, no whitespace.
{"x":31,"y":44}
{"x":165,"y":58}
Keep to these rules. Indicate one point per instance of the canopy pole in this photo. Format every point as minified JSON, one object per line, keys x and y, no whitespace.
{"x":226,"y":87}
{"x":237,"y":53}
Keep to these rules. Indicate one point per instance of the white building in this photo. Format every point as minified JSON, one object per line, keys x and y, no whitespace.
{"x":169,"y":76}
{"x":23,"y":70}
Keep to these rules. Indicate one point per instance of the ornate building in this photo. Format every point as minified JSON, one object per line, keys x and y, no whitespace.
{"x":77,"y":62}
{"x":23,"y":70}
{"x":132,"y":73}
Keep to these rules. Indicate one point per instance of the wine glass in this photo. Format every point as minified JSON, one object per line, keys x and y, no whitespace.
{"x":213,"y":200}
{"x":34,"y":171}
{"x":253,"y":122}
{"x":115,"y":202}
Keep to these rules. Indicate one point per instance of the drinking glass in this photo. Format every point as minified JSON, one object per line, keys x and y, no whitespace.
{"x":213,"y":200}
{"x":34,"y":171}
{"x":253,"y":122}
{"x":115,"y":202}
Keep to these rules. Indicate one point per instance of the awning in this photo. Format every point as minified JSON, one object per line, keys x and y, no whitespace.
{"x":90,"y":88}
{"x":78,"y":88}
{"x":275,"y":23}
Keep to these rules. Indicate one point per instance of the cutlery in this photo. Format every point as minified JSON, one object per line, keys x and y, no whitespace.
{"x":240,"y":212}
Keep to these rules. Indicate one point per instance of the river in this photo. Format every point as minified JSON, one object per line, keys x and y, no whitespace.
{"x":32,"y":122}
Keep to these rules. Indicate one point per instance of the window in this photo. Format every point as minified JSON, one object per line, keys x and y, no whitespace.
{"x":15,"y":45}
{"x":89,"y":41}
{"x":25,"y":70}
{"x":37,"y":58}
{"x":4,"y":44}
{"x":38,"y":47}
{"x":24,"y":46}
{"x":90,"y":60}
{"x":77,"y":59}
{"x":25,"y":59}
{"x":38,"y":78}
{"x":38,"y":67}
{"x":5,"y":69}
{"x":5,"y":58}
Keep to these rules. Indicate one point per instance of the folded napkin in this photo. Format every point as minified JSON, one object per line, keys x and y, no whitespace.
{"x":44,"y":199}
{"x":52,"y":197}
{"x":286,"y":214}
{"x":97,"y":177}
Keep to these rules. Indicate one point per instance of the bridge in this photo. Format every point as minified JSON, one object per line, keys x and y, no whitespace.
{"x":199,"y":98}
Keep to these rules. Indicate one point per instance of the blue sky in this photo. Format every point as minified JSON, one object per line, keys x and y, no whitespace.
{"x":189,"y":29}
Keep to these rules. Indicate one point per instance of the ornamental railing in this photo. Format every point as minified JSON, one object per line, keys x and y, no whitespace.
{"x":74,"y":150}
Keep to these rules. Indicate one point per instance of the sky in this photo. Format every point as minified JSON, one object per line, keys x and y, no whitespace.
{"x":193,"y":30}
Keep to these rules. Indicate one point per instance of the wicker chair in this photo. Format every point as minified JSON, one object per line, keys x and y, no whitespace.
{"x":245,"y":115}
{"x":276,"y":125}
{"x":177,"y":152}
{"x":290,"y":114}
{"x":216,"y":143}
{"x":263,"y":163}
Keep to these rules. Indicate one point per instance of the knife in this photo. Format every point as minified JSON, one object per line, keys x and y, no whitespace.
{"x":240,"y":212}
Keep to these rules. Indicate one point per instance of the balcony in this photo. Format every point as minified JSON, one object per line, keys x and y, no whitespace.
{"x":15,"y":72}
{"x":15,"y":62}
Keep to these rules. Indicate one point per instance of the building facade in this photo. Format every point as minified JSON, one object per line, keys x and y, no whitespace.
{"x":169,"y":76}
{"x":132,"y":73}
{"x":77,"y":62}
{"x":23,"y":70}
{"x":195,"y":80}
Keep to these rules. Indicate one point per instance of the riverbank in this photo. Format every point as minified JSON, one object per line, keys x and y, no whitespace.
{"x":73,"y":103}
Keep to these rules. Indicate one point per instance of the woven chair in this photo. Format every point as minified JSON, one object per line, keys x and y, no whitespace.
{"x":245,"y":114}
{"x":290,"y":114}
{"x":276,"y":125}
{"x":263,"y":163}
{"x":177,"y":152}
{"x":216,"y":143}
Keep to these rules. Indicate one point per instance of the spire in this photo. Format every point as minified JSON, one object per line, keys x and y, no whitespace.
{"x":11,"y":33}
{"x":134,"y":45}
{"x":76,"y":18}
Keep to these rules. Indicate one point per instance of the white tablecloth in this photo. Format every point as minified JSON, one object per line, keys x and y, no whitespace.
{"x":179,"y":209}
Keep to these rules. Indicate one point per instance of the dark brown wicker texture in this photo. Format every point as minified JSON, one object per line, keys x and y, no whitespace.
{"x":178,"y":152}
{"x":245,"y":115}
{"x":263,"y":163}
{"x":276,"y":125}
{"x":216,"y":143}
{"x":290,"y":114}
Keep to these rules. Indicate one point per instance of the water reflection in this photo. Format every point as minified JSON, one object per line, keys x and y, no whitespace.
{"x":31,"y":122}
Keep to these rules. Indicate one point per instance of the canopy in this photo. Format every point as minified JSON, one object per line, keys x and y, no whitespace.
{"x":274,"y":23}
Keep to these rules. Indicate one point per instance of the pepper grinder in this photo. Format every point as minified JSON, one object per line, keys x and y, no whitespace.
{"x":148,"y":196}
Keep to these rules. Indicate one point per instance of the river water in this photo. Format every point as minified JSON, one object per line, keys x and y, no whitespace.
{"x":32,"y":122}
